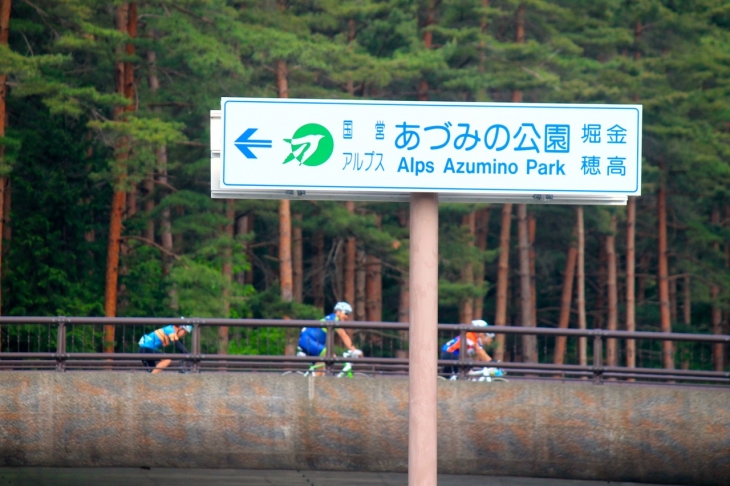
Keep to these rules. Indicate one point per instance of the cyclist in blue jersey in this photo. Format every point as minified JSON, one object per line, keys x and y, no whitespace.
{"x":152,"y":343}
{"x":313,"y":340}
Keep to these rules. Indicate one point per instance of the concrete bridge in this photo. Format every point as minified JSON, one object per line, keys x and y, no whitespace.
{"x":610,"y":432}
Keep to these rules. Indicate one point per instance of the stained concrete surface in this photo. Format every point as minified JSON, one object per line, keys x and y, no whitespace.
{"x":578,"y":431}
{"x":229,"y":477}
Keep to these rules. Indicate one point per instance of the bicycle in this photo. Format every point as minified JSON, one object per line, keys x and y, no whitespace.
{"x":346,"y":368}
{"x":487,"y":373}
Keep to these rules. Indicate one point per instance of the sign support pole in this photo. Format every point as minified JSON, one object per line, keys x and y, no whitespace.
{"x":423,"y":340}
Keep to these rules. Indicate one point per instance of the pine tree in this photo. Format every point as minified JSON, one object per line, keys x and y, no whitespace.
{"x":4,"y":31}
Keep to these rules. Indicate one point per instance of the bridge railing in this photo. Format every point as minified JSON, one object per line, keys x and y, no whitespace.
{"x":68,"y":343}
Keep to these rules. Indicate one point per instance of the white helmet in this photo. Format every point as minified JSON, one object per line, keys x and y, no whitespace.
{"x":188,"y":328}
{"x":482,"y":323}
{"x":344,"y":307}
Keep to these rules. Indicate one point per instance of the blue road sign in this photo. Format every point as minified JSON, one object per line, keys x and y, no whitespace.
{"x":245,"y":144}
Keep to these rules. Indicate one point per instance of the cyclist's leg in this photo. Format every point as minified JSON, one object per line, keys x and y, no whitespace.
{"x":320,"y":365}
{"x":150,"y":364}
{"x":313,"y":348}
{"x":449,"y":370}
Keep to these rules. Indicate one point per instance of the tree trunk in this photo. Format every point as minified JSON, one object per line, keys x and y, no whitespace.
{"x":374,"y":306}
{"x":129,"y":87}
{"x":630,"y":280}
{"x":129,"y":93}
{"x":466,"y":311}
{"x":529,"y":343}
{"x":165,"y":214}
{"x":149,"y":184}
{"x":130,"y":208}
{"x":482,"y":229}
{"x":600,"y":310}
{"x":513,"y":299}
{"x":718,"y":358}
{"x":672,"y":300}
{"x":7,"y":229}
{"x":404,"y":301}
{"x":531,"y":229}
{"x":285,"y":270}
{"x":360,"y":286}
{"x":666,"y":326}
{"x":3,"y":182}
{"x":285,"y":261}
{"x":149,"y":206}
{"x":4,"y":31}
{"x":166,"y":225}
{"x":282,"y":82}
{"x":119,"y":196}
{"x":612,"y":324}
{"x":641,"y":286}
{"x":297,"y":256}
{"x":350,"y":261}
{"x":687,"y":300}
{"x":580,"y":300}
{"x":339,"y":273}
{"x":500,"y":318}
{"x":727,"y":266}
{"x":565,"y":301}
{"x":318,"y":270}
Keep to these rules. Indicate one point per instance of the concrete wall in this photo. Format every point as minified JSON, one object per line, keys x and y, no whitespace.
{"x":572,"y":431}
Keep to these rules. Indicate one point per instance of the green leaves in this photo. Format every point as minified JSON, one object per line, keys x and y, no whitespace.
{"x":64,"y":139}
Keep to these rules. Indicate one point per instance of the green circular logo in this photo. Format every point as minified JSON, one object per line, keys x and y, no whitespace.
{"x":311,"y":145}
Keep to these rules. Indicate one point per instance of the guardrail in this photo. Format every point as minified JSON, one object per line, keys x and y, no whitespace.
{"x":59,"y":359}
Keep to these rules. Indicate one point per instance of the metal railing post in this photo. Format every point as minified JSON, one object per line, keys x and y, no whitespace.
{"x":330,"y":353}
{"x":196,"y":346}
{"x":61,"y":344}
{"x":597,"y":358}
{"x":463,"y":354}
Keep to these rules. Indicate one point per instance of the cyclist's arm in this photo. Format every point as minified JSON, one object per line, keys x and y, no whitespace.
{"x":180,"y":347}
{"x":345,"y":339}
{"x":482,"y":355}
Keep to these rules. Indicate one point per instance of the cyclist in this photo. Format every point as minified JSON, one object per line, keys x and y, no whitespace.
{"x":313,"y":340}
{"x":475,"y":342}
{"x":152,"y":343}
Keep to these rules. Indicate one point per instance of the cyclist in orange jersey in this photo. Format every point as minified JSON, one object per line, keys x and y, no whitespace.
{"x":475,"y":342}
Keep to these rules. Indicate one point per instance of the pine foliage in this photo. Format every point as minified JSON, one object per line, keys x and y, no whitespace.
{"x":672,"y":57}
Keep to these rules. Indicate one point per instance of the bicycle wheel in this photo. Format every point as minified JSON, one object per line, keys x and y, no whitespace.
{"x":356,"y":374}
{"x":293,"y":372}
{"x":503,"y":380}
{"x":443,"y":378}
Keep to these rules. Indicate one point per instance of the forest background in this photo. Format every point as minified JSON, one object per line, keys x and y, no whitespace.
{"x":104,"y":149}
